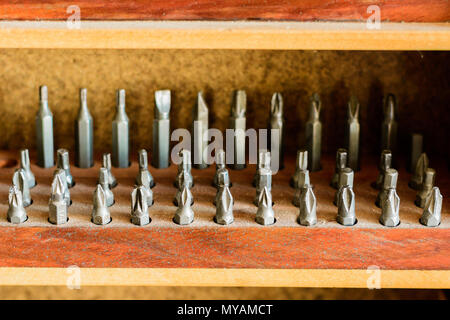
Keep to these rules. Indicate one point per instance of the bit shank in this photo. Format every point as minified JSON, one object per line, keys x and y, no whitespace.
{"x":277,"y":123}
{"x":62,"y":162}
{"x":200,"y":132}
{"x":352,"y":134}
{"x":44,"y":131}
{"x":120,"y":134}
{"x":431,"y":216}
{"x":25,"y":165}
{"x":238,"y":124}
{"x":16,"y":212}
{"x":84,"y":133}
{"x":314,"y":134}
{"x":161,"y":129}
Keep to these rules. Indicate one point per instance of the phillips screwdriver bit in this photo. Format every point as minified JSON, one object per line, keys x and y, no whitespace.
{"x":352,"y":133}
{"x":389,"y":182}
{"x":185,"y":166}
{"x":346,"y":177}
{"x":184,"y":214}
{"x":238,"y":124}
{"x":57,"y":205}
{"x":220,"y":166}
{"x":144,"y":176}
{"x":44,"y":131}
{"x":427,"y":186}
{"x":161,"y":129}
{"x":416,"y":150}
{"x":224,"y":182}
{"x":431,"y":216}
{"x":418,"y":174}
{"x":139,"y":207}
{"x":62,"y":162}
{"x":25,"y":165}
{"x":20,"y":181}
{"x":341,"y":163}
{"x":314,"y":134}
{"x":100,"y":211}
{"x":265,"y":214}
{"x":301,"y":164}
{"x":302,"y":183}
{"x":277,"y":123}
{"x":184,"y":181}
{"x":65,"y":188}
{"x":390,"y":209}
{"x":104,"y":182}
{"x":106,"y":163}
{"x":346,"y":206}
{"x":224,"y":207}
{"x":120,"y":134}
{"x":389,"y":125}
{"x":84,"y":133}
{"x":308,"y":208}
{"x":263,"y":160}
{"x":264,"y":176}
{"x":16,"y":212}
{"x":385,"y":163}
{"x":200,"y":132}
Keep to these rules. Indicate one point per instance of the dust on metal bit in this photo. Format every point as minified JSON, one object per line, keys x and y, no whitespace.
{"x":419,"y":172}
{"x":265,"y":214}
{"x":57,"y":205}
{"x":44,"y":131}
{"x":62,"y":162}
{"x":346,"y":177}
{"x":385,"y":163}
{"x":120,"y":134}
{"x":25,"y":165}
{"x":352,"y":134}
{"x":341,"y":163}
{"x":276,"y":126}
{"x":200,"y":132}
{"x":184,"y":214}
{"x":84,"y":133}
{"x":431,"y":216}
{"x":16,"y":212}
{"x":104,"y":182}
{"x":100,"y":210}
{"x":238,"y":124}
{"x":161,"y":129}
{"x":308,"y":207}
{"x":301,"y":164}
{"x":139,"y":206}
{"x":425,"y":189}
{"x":20,"y":181}
{"x":314,"y":134}
{"x":106,"y":163}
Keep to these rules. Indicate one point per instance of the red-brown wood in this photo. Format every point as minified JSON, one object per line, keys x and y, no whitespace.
{"x":297,"y":10}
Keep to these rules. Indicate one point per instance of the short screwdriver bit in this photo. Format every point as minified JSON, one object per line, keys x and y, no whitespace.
{"x":352,"y":133}
{"x":301,"y":164}
{"x":431,"y":216}
{"x":389,"y":125}
{"x":341,"y":163}
{"x":184,"y":181}
{"x":346,"y":206}
{"x":302,"y":182}
{"x":277,"y":123}
{"x":416,"y":150}
{"x":385,"y":163}
{"x":184,"y":214}
{"x":263,"y":161}
{"x":419,"y":173}
{"x":84,"y":133}
{"x":57,"y":205}
{"x":184,"y":167}
{"x":120,"y":134}
{"x":106,"y":163}
{"x":224,"y":207}
{"x":308,"y":208}
{"x":390,"y":209}
{"x":65,"y":188}
{"x":264,"y":176}
{"x":427,"y":186}
{"x":224,"y":182}
{"x":44,"y":131}
{"x":389,"y":182}
{"x":25,"y":165}
{"x":346,"y":177}
{"x":62,"y":162}
{"x":100,"y":210}
{"x":265,"y":214}
{"x":314,"y":134}
{"x":104,"y":182}
{"x":16,"y":212}
{"x":161,"y":129}
{"x":200,"y":132}
{"x":20,"y":181}
{"x":139,"y":207}
{"x":144,"y":176}
{"x":238,"y":124}
{"x":220,"y":166}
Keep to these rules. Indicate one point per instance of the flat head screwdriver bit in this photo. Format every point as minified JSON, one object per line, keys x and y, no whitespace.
{"x":224,"y":207}
{"x":276,"y":122}
{"x":416,"y":150}
{"x":220,"y":166}
{"x":184,"y":214}
{"x":161,"y":129}
{"x":84,"y":134}
{"x":16,"y":212}
{"x":390,"y":209}
{"x":200,"y":132}
{"x":419,"y":173}
{"x":352,"y":132}
{"x":431,"y":216}
{"x":341,"y":163}
{"x":346,"y":177}
{"x":100,"y":210}
{"x":144,"y":176}
{"x":139,"y":207}
{"x":25,"y":165}
{"x":302,"y":182}
{"x":389,"y":182}
{"x":106,"y":163}
{"x":62,"y":162}
{"x":346,"y":206}
{"x":120,"y":134}
{"x":238,"y":124}
{"x":427,"y":186}
{"x":224,"y":182}
{"x":57,"y":205}
{"x":20,"y":181}
{"x":104,"y":182}
{"x":301,"y":164}
{"x":265,"y":214}
{"x":184,"y":167}
{"x":184,"y":181}
{"x":65,"y":189}
{"x":264,"y":176}
{"x":308,"y":207}
{"x":263,"y":161}
{"x":389,"y":125}
{"x":44,"y":131}
{"x":385,"y":163}
{"x":314,"y":134}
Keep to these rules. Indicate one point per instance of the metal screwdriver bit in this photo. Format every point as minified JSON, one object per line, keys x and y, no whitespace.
{"x":352,"y":133}
{"x":419,"y":173}
{"x":65,"y":189}
{"x":104,"y":182}
{"x":431,"y":216}
{"x":200,"y":132}
{"x":144,"y":176}
{"x":385,"y":163}
{"x":20,"y":181}
{"x":302,"y":182}
{"x":224,"y":207}
{"x":264,"y":159}
{"x":390,"y":209}
{"x":389,"y":125}
{"x":341,"y":163}
{"x":62,"y":162}
{"x":106,"y":163}
{"x":314,"y":134}
{"x":139,"y":207}
{"x":44,"y":131}
{"x":346,"y":206}
{"x":220,"y":166}
{"x":184,"y":181}
{"x":84,"y":133}
{"x":301,"y":164}
{"x":120,"y":134}
{"x":224,"y":182}
{"x":57,"y":205}
{"x":100,"y":211}
{"x":277,"y":123}
{"x":308,"y":208}
{"x":238,"y":124}
{"x":185,"y":166}
{"x":416,"y":150}
{"x":16,"y":212}
{"x":25,"y":165}
{"x":346,"y":177}
{"x":161,"y":129}
{"x":389,"y":182}
{"x":184,"y":214}
{"x":264,"y":176}
{"x":265,"y":214}
{"x":427,"y":186}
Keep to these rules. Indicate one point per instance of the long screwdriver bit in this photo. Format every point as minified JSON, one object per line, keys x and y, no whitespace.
{"x":301,"y":164}
{"x":161,"y":129}
{"x":224,"y":207}
{"x":265,"y":214}
{"x":427,"y":186}
{"x":200,"y":132}
{"x":16,"y":212}
{"x":120,"y":134}
{"x":220,"y":166}
{"x":185,"y":166}
{"x":84,"y":133}
{"x":184,"y":214}
{"x":389,"y":182}
{"x":44,"y":131}
{"x":416,"y":150}
{"x":302,"y":182}
{"x":419,"y":173}
{"x":352,"y":133}
{"x":20,"y":181}
{"x":25,"y":165}
{"x":264,"y":176}
{"x":346,"y":177}
{"x":346,"y":206}
{"x":390,"y":209}
{"x":314,"y":134}
{"x":65,"y":189}
{"x":277,"y":123}
{"x":385,"y":163}
{"x":57,"y":206}
{"x":100,"y":210}
{"x":139,"y":207}
{"x":308,"y":207}
{"x":341,"y":163}
{"x":184,"y":181}
{"x":238,"y":124}
{"x":144,"y":176}
{"x":62,"y":162}
{"x":389,"y":125}
{"x":104,"y":182}
{"x":106,"y":163}
{"x":224,"y":182}
{"x":431,"y":216}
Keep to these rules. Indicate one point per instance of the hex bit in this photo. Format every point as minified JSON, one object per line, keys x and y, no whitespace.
{"x":390,"y":209}
{"x":264,"y":176}
{"x":224,"y":207}
{"x":431,"y":216}
{"x":220,"y":166}
{"x":57,"y":206}
{"x":144,"y":176}
{"x":346,"y":177}
{"x":427,"y":186}
{"x":224,"y":182}
{"x":341,"y":163}
{"x":185,"y":166}
{"x":16,"y":212}
{"x":389,"y":125}
{"x":139,"y":207}
{"x":265,"y":214}
{"x":65,"y":188}
{"x":62,"y":162}
{"x":416,"y":150}
{"x":20,"y":181}
{"x":314,"y":134}
{"x":301,"y":164}
{"x":389,"y":182}
{"x":161,"y":129}
{"x":418,"y":174}
{"x":277,"y":123}
{"x":25,"y":165}
{"x":302,"y":182}
{"x":385,"y":163}
{"x":120,"y":134}
{"x":44,"y":131}
{"x":238,"y":124}
{"x":100,"y":210}
{"x":84,"y":133}
{"x":263,"y":155}
{"x":346,"y":206}
{"x":200,"y":132}
{"x":184,"y":181}
{"x":104,"y":182}
{"x":106,"y":163}
{"x":353,"y":133}
{"x":308,"y":207}
{"x":184,"y":214}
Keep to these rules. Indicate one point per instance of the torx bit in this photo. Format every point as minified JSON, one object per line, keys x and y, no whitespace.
{"x":341,"y":163}
{"x":224,"y":182}
{"x":389,"y":125}
{"x":308,"y":207}
{"x":120,"y":134}
{"x":265,"y":214}
{"x":418,"y":175}
{"x":104,"y":182}
{"x":346,"y":177}
{"x":184,"y":214}
{"x":44,"y":131}
{"x":390,"y":209}
{"x":431,"y":216}
{"x":389,"y":182}
{"x":65,"y":188}
{"x":224,"y":207}
{"x":264,"y":161}
{"x":20,"y":181}
{"x":346,"y":206}
{"x":100,"y":211}
{"x":416,"y":150}
{"x":385,"y":163}
{"x":161,"y":129}
{"x":302,"y":182}
{"x":16,"y":212}
{"x":84,"y":133}
{"x":106,"y":163}
{"x":144,"y":176}
{"x":139,"y":207}
{"x":427,"y":186}
{"x":25,"y":165}
{"x":301,"y":164}
{"x":264,"y":178}
{"x":238,"y":124}
{"x":314,"y":134}
{"x":57,"y":205}
{"x":62,"y":162}
{"x":220,"y":166}
{"x":277,"y":123}
{"x":185,"y":166}
{"x":352,"y":133}
{"x":200,"y":132}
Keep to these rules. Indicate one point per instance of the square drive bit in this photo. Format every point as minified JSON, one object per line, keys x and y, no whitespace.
{"x":44,"y":131}
{"x":161,"y":129}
